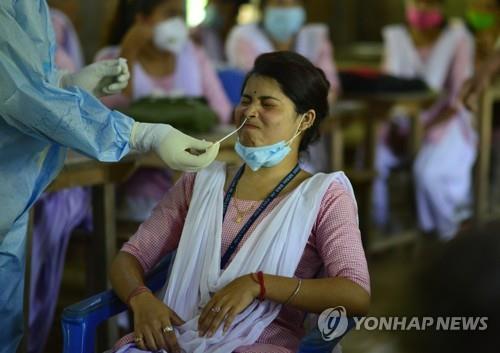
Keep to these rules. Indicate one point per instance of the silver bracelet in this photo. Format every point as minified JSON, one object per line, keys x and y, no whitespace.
{"x":295,"y":292}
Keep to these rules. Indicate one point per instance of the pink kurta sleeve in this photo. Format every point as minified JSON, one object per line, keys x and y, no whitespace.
{"x":338,"y":239}
{"x":160,"y":234}
{"x":326,"y":63}
{"x":63,"y":61}
{"x":461,"y":68}
{"x":241,"y":51}
{"x":212,"y":88}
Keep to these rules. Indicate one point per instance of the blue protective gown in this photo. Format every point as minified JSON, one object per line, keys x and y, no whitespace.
{"x":38,"y":122}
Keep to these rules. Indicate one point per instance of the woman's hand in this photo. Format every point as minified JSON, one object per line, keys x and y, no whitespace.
{"x":226,"y":304}
{"x":136,"y":37}
{"x":445,"y":116}
{"x":153,"y":322}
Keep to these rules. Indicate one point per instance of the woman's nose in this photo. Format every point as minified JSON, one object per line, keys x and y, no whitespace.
{"x":250,"y":111}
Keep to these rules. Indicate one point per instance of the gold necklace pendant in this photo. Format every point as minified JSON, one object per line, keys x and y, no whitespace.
{"x":241,"y":214}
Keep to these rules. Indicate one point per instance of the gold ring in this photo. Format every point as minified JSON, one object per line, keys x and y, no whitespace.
{"x":138,"y":339}
{"x":167,"y":329}
{"x":215,"y":309}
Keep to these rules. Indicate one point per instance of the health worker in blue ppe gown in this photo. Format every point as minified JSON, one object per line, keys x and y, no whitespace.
{"x":43,"y":112}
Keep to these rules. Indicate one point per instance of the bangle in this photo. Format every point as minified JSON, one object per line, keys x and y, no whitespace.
{"x":137,"y":291}
{"x":295,"y":292}
{"x":260,"y":281}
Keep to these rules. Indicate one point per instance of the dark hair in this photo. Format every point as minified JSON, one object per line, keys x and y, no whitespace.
{"x":301,"y":81}
{"x":125,"y":16}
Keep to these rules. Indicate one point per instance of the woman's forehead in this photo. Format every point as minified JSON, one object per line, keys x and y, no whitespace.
{"x":262,"y":85}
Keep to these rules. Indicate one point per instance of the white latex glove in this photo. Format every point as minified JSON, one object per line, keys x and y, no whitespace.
{"x":102,"y":78}
{"x":170,"y":144}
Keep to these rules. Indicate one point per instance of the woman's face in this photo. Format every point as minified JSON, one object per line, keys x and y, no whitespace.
{"x":424,"y":15}
{"x":166,"y":10}
{"x":271,"y":114}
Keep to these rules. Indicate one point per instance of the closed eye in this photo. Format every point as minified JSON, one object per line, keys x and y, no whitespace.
{"x":268,"y":103}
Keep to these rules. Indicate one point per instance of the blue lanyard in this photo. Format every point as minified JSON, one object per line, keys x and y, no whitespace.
{"x":237,"y":240}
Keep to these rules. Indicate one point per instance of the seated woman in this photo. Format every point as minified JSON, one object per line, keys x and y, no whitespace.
{"x":153,"y":37}
{"x":283,"y":28}
{"x":252,"y":241}
{"x":440,"y":52}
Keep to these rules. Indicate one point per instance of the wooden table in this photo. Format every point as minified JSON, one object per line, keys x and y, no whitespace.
{"x":373,"y":110}
{"x":378,"y":107}
{"x":80,"y":171}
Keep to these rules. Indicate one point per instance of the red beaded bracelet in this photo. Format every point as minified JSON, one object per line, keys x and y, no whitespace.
{"x":137,"y":291}
{"x":260,"y":281}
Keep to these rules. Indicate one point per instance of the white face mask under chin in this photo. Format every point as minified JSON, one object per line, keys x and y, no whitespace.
{"x":171,"y":35}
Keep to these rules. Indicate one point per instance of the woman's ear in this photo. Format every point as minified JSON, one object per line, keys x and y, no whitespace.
{"x":307,"y":120}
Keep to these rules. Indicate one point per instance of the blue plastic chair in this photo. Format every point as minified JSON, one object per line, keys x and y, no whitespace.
{"x":80,"y":320}
{"x":232,"y":81}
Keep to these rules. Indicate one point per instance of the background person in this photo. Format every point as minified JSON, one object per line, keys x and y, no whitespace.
{"x":440,"y":52}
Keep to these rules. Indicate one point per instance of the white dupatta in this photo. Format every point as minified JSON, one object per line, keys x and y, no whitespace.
{"x":276,"y":247}
{"x":402,"y":58}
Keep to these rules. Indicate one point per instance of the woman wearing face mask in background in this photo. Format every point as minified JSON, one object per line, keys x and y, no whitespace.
{"x":442,"y":54}
{"x":283,"y":28}
{"x":153,"y":37}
